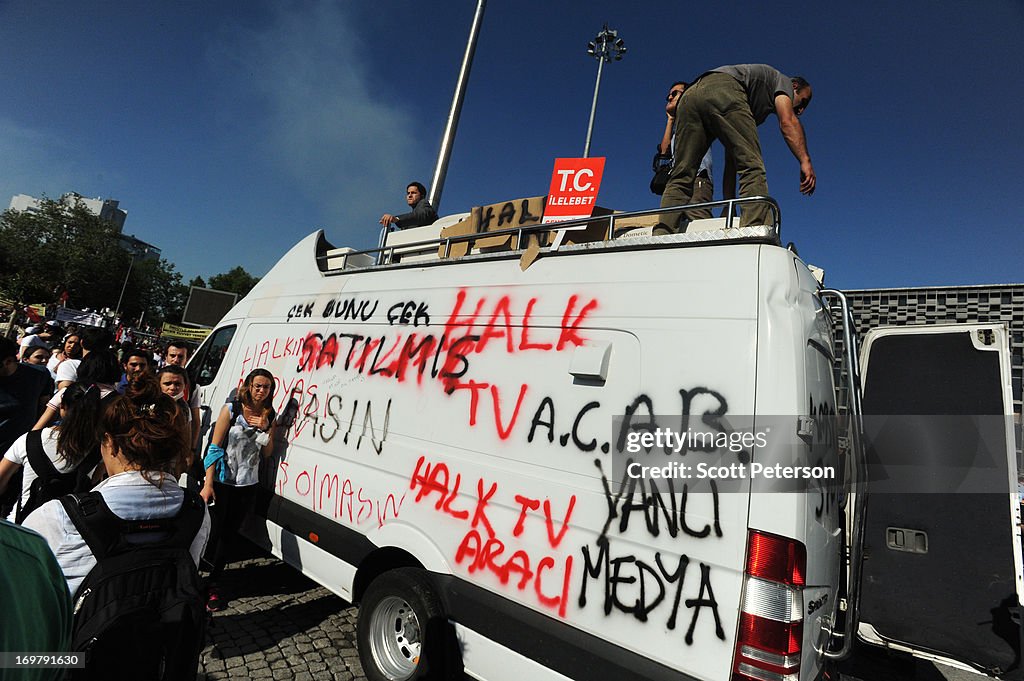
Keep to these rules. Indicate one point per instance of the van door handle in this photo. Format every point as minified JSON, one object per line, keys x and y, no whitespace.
{"x":906,"y":540}
{"x":590,"y":361}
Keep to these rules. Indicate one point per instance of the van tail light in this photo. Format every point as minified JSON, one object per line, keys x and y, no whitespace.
{"x":771,"y":621}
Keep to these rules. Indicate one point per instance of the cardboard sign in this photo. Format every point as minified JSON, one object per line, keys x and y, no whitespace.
{"x":574,"y":185}
{"x":505,"y":215}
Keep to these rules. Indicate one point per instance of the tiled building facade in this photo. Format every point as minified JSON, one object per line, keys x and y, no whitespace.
{"x":947,"y":305}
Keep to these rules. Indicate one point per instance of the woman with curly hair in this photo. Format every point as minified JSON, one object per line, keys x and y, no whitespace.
{"x":242,"y":437}
{"x":141,"y":440}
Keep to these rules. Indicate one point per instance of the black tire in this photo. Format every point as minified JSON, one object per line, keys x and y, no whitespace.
{"x":403,"y":632}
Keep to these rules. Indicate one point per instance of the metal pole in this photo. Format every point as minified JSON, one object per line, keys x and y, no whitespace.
{"x":131,"y":263}
{"x":593,"y":107}
{"x":444,"y":155}
{"x":606,"y":46}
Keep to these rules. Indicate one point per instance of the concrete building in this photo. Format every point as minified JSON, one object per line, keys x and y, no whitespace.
{"x":105,"y":209}
{"x":998,"y":303}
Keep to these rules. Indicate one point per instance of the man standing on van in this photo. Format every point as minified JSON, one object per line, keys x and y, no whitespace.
{"x":727,"y":104}
{"x":703,"y":187}
{"x":422,"y":212}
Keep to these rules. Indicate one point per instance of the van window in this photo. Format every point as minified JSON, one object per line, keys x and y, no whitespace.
{"x":210,"y":356}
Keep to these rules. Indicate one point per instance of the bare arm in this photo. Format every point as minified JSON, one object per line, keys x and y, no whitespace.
{"x":7,"y":470}
{"x":268,"y":449}
{"x":49,"y":414}
{"x":220,"y":436}
{"x":665,"y":148}
{"x":793,"y":133}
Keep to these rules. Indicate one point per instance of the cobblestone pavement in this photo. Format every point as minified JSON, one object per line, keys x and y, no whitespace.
{"x":278,"y":624}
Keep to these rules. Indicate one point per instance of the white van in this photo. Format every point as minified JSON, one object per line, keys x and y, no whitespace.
{"x":449,"y":455}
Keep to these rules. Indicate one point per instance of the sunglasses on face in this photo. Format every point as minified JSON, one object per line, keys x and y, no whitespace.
{"x":672,"y":95}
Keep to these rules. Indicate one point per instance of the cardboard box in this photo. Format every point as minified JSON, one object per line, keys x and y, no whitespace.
{"x":496,"y":216}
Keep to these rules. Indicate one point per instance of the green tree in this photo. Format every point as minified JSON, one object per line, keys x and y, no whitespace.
{"x":236,"y":280}
{"x":60,"y":248}
{"x":158,"y":293}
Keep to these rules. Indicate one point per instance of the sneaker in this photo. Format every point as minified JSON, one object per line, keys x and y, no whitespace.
{"x":213,"y":600}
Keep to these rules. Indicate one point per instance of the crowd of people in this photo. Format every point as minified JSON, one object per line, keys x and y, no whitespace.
{"x":100,"y":438}
{"x":99,"y":443}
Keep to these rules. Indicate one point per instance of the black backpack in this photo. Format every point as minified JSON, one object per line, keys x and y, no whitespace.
{"x":50,"y":484}
{"x":140,"y":612}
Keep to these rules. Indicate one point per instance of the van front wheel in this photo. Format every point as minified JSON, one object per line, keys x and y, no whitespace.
{"x":402,"y":629}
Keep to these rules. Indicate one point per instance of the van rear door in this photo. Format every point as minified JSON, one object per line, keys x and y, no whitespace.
{"x":942,"y":558}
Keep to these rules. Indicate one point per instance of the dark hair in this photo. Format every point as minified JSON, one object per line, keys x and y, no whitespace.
{"x":64,"y":345}
{"x":423,"y":190}
{"x":173,"y":369}
{"x":679,"y":82}
{"x":179,"y":344}
{"x":147,"y":428}
{"x":95,"y":338}
{"x":77,"y":435}
{"x":99,"y":366}
{"x":8,"y":348}
{"x":245,"y":391}
{"x":800,"y":82}
{"x":30,"y":350}
{"x":138,"y":352}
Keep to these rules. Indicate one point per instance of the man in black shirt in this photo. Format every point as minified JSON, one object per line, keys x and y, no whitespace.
{"x":24,"y":389}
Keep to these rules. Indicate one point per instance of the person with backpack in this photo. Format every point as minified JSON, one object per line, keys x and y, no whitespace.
{"x":242,"y":437}
{"x":130,"y":549}
{"x":55,"y":461}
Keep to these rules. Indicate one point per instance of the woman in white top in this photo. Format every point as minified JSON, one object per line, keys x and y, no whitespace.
{"x":71,"y":349}
{"x":99,"y":368}
{"x":242,"y":436}
{"x":65,"y":446}
{"x":140,"y":439}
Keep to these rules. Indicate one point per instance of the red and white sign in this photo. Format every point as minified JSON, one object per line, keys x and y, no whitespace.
{"x":573,"y":192}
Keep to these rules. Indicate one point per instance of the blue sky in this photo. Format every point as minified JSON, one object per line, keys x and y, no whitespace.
{"x":231,"y":130}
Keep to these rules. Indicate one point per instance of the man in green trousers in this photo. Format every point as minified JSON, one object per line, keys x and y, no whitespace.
{"x":727,"y":104}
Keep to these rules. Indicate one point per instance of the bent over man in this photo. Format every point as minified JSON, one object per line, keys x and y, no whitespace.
{"x":727,"y":104}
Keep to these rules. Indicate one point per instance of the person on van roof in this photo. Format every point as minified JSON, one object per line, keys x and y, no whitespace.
{"x":422,"y":212}
{"x":703,"y":187}
{"x":727,"y":104}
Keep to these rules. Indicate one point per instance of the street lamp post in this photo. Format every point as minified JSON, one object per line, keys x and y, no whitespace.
{"x":131,"y":263}
{"x":606,"y":46}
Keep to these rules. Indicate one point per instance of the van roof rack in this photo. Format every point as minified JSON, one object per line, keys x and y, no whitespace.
{"x":612,"y":231}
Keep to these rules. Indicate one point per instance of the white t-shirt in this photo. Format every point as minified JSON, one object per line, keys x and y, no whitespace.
{"x":53,"y":363}
{"x":55,"y":401}
{"x":18,"y":453}
{"x":128,"y":495}
{"x":242,"y":454}
{"x":68,"y":370}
